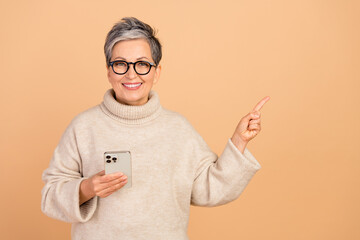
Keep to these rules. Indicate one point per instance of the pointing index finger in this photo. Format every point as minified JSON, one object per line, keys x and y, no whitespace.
{"x":261,"y":103}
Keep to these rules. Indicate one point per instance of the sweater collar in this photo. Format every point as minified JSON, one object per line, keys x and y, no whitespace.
{"x":131,"y":114}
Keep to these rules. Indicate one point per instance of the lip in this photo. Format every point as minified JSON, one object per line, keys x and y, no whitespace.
{"x":132,"y":88}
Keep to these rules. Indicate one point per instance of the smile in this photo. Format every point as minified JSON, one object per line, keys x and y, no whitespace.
{"x":132,"y":86}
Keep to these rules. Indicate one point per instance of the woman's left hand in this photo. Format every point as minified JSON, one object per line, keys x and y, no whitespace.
{"x":249,"y":126}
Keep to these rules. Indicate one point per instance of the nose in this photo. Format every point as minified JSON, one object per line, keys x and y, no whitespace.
{"x":130,"y":74}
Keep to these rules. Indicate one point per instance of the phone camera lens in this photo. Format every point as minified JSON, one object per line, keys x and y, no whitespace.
{"x":108,"y":156}
{"x":108,"y":161}
{"x":114,"y":158}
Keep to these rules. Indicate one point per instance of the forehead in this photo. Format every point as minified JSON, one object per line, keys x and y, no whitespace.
{"x":131,"y":49}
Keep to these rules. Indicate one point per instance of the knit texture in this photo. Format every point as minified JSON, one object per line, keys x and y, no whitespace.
{"x":172,"y":167}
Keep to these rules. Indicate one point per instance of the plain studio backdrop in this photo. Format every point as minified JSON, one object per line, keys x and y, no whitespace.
{"x":219,"y":59}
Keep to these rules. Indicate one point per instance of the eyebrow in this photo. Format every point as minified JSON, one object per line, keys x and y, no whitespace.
{"x":125,"y":58}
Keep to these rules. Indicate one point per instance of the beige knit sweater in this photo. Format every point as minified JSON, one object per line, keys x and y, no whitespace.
{"x":172,"y":167}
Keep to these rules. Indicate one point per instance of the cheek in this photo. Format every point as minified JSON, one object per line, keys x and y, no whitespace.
{"x":149,"y":78}
{"x":114,"y":77}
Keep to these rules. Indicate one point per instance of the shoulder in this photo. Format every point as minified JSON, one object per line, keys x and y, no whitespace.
{"x":85,"y":118}
{"x":175,"y":117}
{"x":78,"y":125}
{"x":179,"y":121}
{"x":185,"y":130}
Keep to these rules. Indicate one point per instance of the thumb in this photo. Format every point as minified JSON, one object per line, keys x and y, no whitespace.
{"x":249,"y":116}
{"x":101,"y":173}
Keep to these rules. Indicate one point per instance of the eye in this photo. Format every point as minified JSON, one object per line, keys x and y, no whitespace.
{"x":120,"y":64}
{"x":143,"y":64}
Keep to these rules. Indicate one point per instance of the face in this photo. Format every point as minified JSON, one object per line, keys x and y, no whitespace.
{"x":132,"y":51}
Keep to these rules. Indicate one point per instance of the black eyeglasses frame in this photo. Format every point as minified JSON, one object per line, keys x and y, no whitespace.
{"x":128,"y":66}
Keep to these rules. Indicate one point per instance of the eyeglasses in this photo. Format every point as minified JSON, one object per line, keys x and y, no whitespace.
{"x":141,"y":67}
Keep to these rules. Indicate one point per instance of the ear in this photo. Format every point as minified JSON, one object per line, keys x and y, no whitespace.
{"x":157,"y":74}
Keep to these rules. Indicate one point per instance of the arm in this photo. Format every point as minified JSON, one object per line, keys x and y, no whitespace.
{"x":220,"y":180}
{"x":61,"y":193}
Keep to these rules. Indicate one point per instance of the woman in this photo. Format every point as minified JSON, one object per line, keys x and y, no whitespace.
{"x":172,"y":166}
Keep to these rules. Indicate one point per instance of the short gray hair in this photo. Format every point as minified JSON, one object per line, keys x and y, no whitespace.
{"x":132,"y":28}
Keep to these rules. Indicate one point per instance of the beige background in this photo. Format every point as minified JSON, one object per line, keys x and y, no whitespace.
{"x":220,"y":59}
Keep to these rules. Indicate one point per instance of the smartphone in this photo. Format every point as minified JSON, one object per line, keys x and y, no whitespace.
{"x":119,"y":161}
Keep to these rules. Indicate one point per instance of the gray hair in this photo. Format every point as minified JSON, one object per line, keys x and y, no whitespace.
{"x":132,"y":28}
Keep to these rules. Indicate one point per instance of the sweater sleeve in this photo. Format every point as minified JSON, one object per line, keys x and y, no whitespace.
{"x":220,"y":180}
{"x":60,"y":195}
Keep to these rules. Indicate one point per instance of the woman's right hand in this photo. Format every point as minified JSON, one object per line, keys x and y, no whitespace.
{"x":101,"y":185}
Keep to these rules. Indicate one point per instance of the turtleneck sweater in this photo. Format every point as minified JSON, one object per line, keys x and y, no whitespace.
{"x":172,"y":168}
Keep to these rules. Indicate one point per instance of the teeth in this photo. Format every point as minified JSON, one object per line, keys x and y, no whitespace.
{"x":131,"y":85}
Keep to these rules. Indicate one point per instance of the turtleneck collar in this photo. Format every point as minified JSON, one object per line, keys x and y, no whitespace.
{"x":131,"y":114}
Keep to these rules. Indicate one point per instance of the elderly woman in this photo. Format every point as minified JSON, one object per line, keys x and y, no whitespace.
{"x":171,"y":165}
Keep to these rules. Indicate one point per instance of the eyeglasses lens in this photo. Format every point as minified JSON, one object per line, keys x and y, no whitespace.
{"x":142,"y":67}
{"x":120,"y":67}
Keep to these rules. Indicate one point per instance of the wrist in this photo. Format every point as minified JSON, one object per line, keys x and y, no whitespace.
{"x":86,"y":192}
{"x":239,"y":143}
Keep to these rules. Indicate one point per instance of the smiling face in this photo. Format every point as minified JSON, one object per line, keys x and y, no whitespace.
{"x":126,"y":86}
